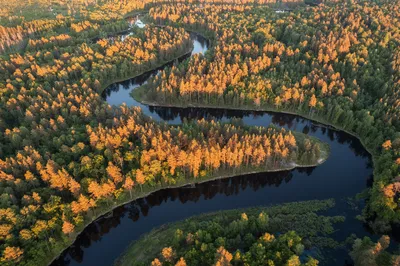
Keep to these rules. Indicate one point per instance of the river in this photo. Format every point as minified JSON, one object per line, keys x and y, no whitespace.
{"x":347,"y":172}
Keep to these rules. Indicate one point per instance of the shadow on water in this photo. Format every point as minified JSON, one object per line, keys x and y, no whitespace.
{"x":347,"y":172}
{"x":119,"y":93}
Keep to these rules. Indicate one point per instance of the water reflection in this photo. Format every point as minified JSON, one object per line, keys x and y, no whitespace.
{"x":119,"y":93}
{"x":141,"y":208}
{"x":347,"y":171}
{"x":175,"y":115}
{"x":344,"y":174}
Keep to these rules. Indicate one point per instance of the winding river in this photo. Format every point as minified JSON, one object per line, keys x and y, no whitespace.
{"x":347,"y":172}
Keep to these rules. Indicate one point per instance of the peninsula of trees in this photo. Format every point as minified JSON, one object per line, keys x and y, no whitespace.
{"x":337,"y":63}
{"x":66,"y":156}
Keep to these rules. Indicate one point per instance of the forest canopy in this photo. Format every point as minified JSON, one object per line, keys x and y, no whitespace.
{"x":277,"y":235}
{"x":66,"y":156}
{"x":337,"y":63}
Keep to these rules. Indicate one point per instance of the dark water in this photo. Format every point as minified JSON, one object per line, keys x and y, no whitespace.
{"x":347,"y":172}
{"x":119,"y":93}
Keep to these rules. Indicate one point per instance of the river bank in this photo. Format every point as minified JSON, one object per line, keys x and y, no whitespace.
{"x":309,"y":222}
{"x":138,"y":95}
{"x":226,"y":176}
{"x":222,"y":174}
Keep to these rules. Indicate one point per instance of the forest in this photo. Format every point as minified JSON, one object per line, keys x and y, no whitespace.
{"x":67,"y":157}
{"x":256,"y":236}
{"x":299,"y":63}
{"x":278,"y":235}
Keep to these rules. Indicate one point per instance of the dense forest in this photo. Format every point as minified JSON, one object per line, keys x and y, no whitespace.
{"x":287,"y":234}
{"x":334,"y":63}
{"x":66,"y":156}
{"x":279,"y":235}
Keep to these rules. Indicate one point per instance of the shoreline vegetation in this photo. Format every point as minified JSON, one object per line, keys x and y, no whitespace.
{"x":138,"y":93}
{"x":306,"y":218}
{"x":104,"y":210}
{"x":104,"y":87}
{"x":134,"y":94}
{"x":74,"y":235}
{"x":58,"y":246}
{"x":142,"y":72}
{"x":324,"y":88}
{"x":186,"y":53}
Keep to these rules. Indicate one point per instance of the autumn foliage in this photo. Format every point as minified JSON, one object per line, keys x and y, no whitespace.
{"x":337,"y":63}
{"x":65,"y":153}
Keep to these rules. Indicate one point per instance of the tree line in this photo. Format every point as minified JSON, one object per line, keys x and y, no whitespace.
{"x":337,"y":63}
{"x":278,"y":235}
{"x":66,"y":156}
